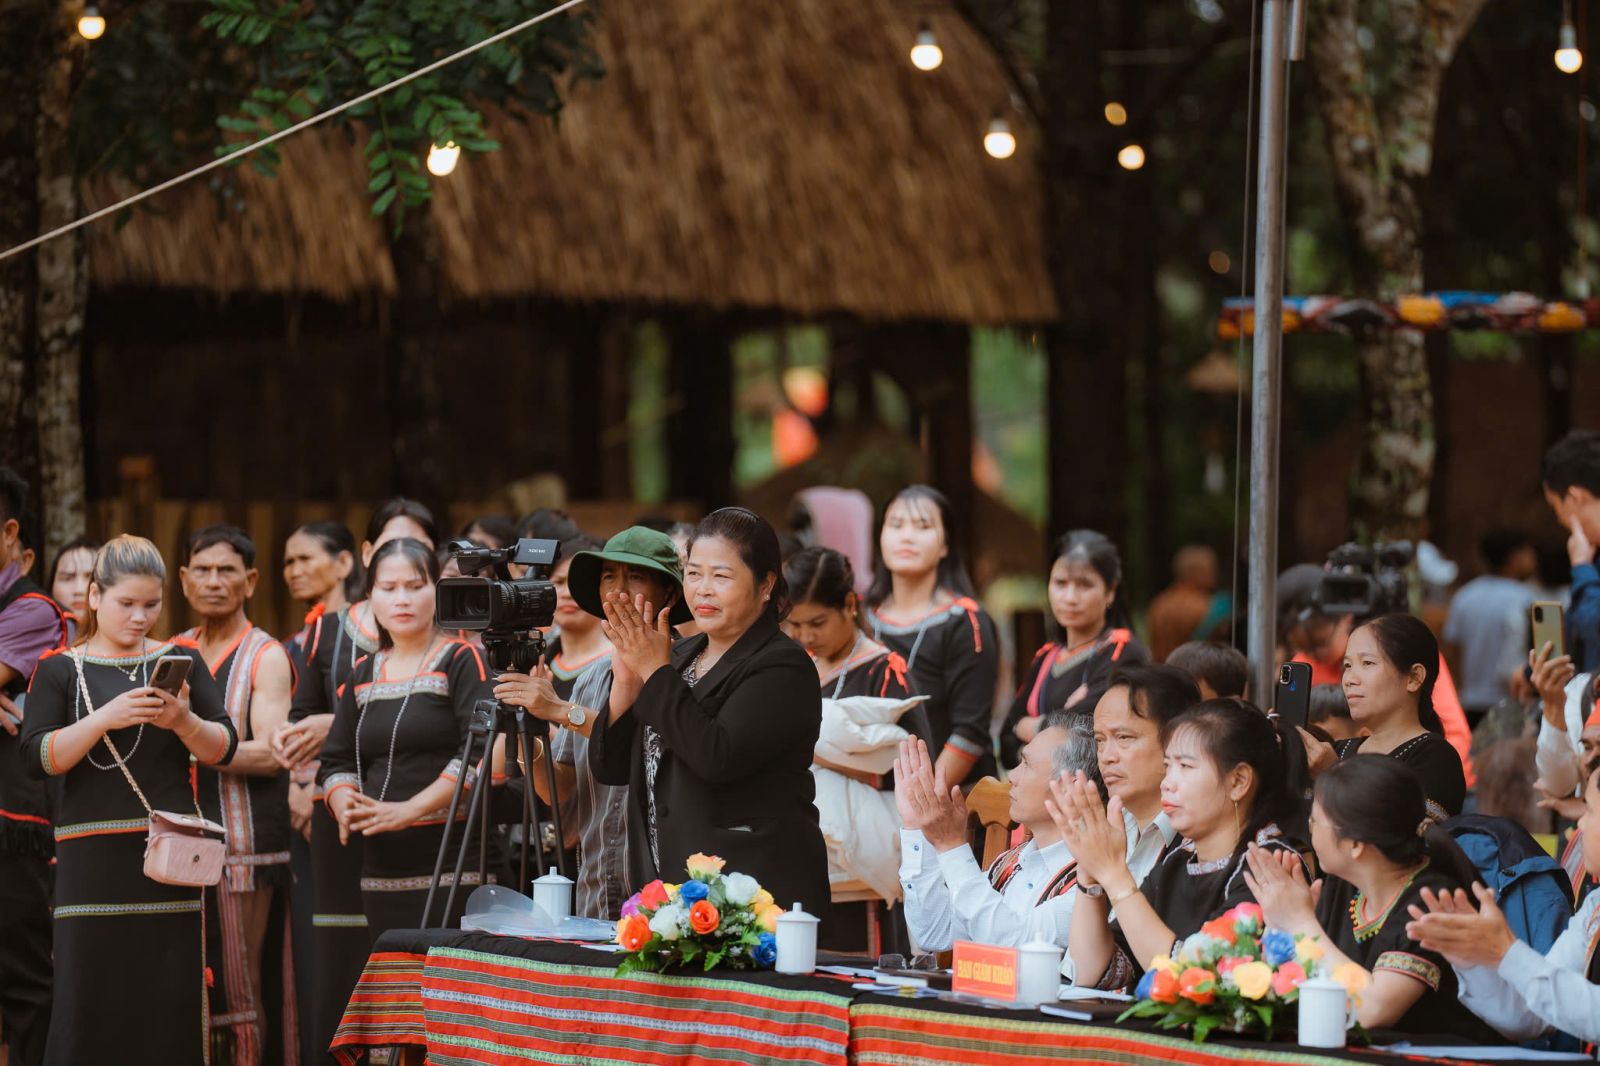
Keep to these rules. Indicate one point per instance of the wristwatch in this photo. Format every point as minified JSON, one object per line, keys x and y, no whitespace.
{"x":576,"y":715}
{"x":1092,"y":891}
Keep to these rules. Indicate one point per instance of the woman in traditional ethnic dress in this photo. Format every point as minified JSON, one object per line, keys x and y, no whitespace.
{"x":392,"y":757}
{"x":1071,"y":674}
{"x":130,"y":957}
{"x":329,"y":654}
{"x":922,"y":606}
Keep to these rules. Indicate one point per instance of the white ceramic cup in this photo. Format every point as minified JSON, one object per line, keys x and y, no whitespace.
{"x":552,"y":894}
{"x":1038,"y":973}
{"x":797,"y":941}
{"x":1324,"y":1007}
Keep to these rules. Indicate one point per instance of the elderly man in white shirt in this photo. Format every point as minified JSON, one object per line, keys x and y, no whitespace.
{"x":1504,"y":981}
{"x":1028,"y":892}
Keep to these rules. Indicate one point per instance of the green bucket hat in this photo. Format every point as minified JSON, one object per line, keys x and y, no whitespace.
{"x":635,"y":546}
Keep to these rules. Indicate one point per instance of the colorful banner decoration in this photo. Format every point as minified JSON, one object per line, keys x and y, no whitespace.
{"x":1508,"y":312}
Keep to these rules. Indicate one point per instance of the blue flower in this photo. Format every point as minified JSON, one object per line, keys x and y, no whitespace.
{"x":1277,"y":947}
{"x":1143,"y":990}
{"x":766,"y":950}
{"x":691,"y":892}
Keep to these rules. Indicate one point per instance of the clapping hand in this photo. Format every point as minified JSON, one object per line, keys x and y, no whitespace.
{"x":640,"y":647}
{"x":1094,"y":832}
{"x":1277,"y":880}
{"x":1464,"y":936}
{"x":925,"y":800}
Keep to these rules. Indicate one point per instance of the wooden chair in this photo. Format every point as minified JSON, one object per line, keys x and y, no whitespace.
{"x":990,"y":803}
{"x":861,"y":892}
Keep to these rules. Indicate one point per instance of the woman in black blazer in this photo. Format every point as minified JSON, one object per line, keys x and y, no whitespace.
{"x":715,"y":735}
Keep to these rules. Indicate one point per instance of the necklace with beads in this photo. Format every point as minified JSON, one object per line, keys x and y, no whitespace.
{"x":1367,"y":929}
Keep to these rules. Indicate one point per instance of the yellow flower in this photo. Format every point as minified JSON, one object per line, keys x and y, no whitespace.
{"x":1354,"y":979}
{"x":762,"y":898}
{"x":671,"y":890}
{"x":1163,"y":962}
{"x":703,"y":866}
{"x":1309,"y":950}
{"x":767,"y":916}
{"x":1253,"y":979}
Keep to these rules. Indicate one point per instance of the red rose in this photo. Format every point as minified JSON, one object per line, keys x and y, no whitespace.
{"x":1198,"y":985}
{"x":653,"y":895}
{"x":1221,"y":929}
{"x":704,"y":917}
{"x":1164,"y":989}
{"x":1288,"y":978}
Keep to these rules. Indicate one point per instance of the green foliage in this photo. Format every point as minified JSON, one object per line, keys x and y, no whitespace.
{"x":307,"y":57}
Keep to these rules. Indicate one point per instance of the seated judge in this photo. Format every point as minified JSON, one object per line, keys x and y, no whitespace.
{"x":714,"y":735}
{"x":1027,"y":893}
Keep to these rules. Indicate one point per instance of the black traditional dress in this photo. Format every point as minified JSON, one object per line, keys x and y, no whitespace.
{"x":130,"y":953}
{"x":1187,"y":893}
{"x":340,"y":944}
{"x":1063,"y":679}
{"x":952,"y":656}
{"x":1377,"y":940}
{"x":1435,"y":761}
{"x":392,"y":738}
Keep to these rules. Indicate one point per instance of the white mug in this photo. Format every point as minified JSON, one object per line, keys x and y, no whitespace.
{"x":1038,"y":973}
{"x":552,"y":894}
{"x":797,"y":941}
{"x":1324,"y":1006}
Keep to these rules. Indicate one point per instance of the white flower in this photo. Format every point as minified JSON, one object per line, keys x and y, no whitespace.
{"x":670,"y":922}
{"x":740,"y":889}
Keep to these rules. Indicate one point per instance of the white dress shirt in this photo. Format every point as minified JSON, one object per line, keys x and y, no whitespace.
{"x":1146,"y":843}
{"x":1559,"y":754}
{"x":1529,"y":992}
{"x":949,"y":897}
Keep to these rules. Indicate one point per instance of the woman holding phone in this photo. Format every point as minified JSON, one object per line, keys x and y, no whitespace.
{"x":129,"y":952}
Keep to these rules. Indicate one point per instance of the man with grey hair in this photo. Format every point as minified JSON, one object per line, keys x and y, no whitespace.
{"x":1028,"y":892}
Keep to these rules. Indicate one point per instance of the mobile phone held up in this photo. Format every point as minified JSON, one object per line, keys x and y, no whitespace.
{"x":171,"y":672}
{"x":1292,"y":697}
{"x":1549,"y":622}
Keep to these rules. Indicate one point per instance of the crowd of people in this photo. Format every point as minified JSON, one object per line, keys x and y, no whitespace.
{"x":814,"y":713}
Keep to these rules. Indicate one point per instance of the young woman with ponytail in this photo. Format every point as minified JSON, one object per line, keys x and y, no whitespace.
{"x":1391,"y":665}
{"x":1380,"y":852}
{"x":1230,"y":783}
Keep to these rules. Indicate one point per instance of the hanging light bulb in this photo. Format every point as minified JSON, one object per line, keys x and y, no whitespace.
{"x":1000,"y":142}
{"x":91,"y":24}
{"x":1131,"y":157}
{"x":442,"y":159}
{"x":1569,"y":60}
{"x":1116,"y":114}
{"x":926,"y":53}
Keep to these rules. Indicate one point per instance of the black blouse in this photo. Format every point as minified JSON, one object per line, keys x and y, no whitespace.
{"x":328,"y":655}
{"x":952,"y":655}
{"x":1058,"y":681}
{"x":1435,"y":761}
{"x":94,"y":791}
{"x":1378,"y":942}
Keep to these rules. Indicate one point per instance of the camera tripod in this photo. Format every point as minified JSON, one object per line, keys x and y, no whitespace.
{"x":492,"y":719}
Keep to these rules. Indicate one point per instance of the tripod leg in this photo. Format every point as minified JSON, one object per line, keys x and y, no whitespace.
{"x":477,"y":805}
{"x":450,"y":818}
{"x":555,"y":813}
{"x":526,"y":747}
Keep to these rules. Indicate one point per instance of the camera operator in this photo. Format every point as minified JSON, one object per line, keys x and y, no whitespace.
{"x":1316,"y":622}
{"x":638,"y":562}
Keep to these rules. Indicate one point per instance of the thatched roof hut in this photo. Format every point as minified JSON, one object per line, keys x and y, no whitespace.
{"x":781,"y":157}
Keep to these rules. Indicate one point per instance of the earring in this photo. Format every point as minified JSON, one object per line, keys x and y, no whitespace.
{"x":1238,"y":824}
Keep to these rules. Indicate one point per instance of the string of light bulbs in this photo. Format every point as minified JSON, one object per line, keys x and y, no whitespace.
{"x":442,"y":151}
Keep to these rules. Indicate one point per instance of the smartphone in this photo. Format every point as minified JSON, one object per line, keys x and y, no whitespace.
{"x":1292,"y":699}
{"x":1549,"y":623}
{"x":171,"y":672}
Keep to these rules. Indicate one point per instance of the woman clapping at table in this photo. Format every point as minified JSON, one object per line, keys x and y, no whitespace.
{"x":1504,"y":981}
{"x":1228,"y":785}
{"x":715,"y":735}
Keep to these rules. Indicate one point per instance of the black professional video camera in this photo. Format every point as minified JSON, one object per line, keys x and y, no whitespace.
{"x":1366,"y":582}
{"x":510,"y":612}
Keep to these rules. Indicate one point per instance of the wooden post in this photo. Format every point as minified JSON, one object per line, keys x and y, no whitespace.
{"x":700,"y":441}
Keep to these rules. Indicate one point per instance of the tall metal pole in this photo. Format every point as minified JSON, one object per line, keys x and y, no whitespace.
{"x":1267,"y":351}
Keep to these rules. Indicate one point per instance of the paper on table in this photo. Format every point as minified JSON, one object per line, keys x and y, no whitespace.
{"x":847,"y":971}
{"x":1485,"y":1053}
{"x":1071,"y":992}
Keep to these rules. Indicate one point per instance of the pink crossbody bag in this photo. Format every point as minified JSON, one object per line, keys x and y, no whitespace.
{"x":181,"y":848}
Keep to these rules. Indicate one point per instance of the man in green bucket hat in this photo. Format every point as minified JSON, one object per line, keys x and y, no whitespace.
{"x":641,"y":562}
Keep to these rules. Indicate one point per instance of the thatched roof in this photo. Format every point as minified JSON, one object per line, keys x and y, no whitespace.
{"x":774,"y":156}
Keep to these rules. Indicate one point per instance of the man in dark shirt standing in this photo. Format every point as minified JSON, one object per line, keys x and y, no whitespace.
{"x":30,"y":625}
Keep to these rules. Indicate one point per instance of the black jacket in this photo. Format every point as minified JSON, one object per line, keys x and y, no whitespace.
{"x":734,"y":777}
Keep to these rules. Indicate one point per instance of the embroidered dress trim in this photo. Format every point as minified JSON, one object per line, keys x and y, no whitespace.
{"x":91,"y":829}
{"x":1410,"y":965}
{"x":417,"y":884}
{"x":272,"y":858}
{"x":1267,"y":835}
{"x":106,"y":910}
{"x":339,"y":921}
{"x":124,"y":661}
{"x":46,"y":753}
{"x":434,"y":684}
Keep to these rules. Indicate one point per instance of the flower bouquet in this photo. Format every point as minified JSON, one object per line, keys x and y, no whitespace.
{"x":1235,"y":975}
{"x":716,"y":918}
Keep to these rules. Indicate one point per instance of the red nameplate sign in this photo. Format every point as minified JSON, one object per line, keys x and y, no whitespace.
{"x":984,"y":970}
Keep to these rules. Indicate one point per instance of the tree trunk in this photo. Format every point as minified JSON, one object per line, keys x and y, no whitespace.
{"x":63,"y":293}
{"x":421,"y":449}
{"x":21,"y":37}
{"x":1382,"y":152}
{"x":700,"y":441}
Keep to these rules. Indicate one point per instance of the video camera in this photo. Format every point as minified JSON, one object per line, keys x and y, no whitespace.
{"x":1366,"y":582}
{"x":508,"y":611}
